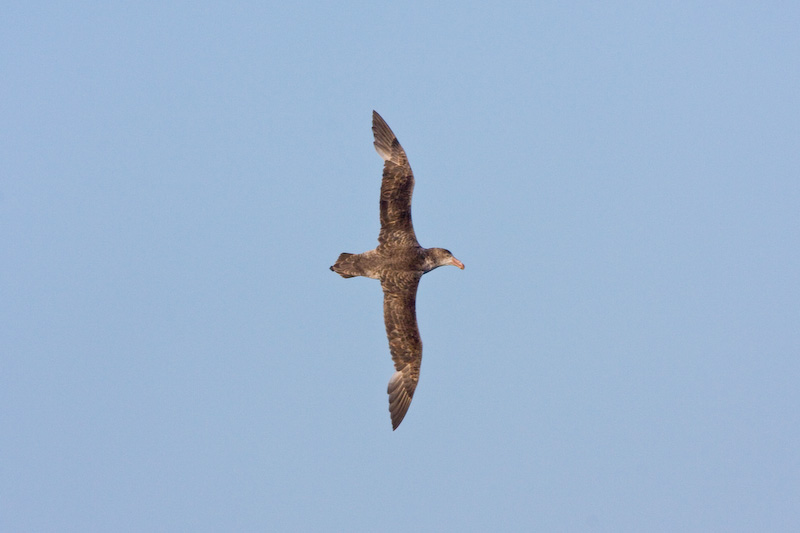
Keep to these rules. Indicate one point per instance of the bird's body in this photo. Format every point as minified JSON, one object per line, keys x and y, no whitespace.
{"x":398,"y":262}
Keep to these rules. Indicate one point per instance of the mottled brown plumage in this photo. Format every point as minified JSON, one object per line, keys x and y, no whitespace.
{"x":398,"y":262}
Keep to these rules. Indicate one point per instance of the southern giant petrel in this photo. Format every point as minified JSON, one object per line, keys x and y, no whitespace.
{"x":398,"y":262}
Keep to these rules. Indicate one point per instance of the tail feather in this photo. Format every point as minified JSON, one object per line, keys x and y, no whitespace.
{"x":341,"y":266}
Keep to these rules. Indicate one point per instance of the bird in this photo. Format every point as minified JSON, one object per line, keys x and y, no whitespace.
{"x":398,"y":262}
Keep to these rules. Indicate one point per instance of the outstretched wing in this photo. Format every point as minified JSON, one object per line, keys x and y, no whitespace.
{"x":400,"y":316}
{"x":396,"y":188}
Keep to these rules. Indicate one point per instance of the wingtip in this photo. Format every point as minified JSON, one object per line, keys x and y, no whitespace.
{"x":400,"y":395}
{"x":386,"y":143}
{"x":396,"y":424}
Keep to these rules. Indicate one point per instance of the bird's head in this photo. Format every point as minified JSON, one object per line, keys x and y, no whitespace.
{"x":440,"y":257}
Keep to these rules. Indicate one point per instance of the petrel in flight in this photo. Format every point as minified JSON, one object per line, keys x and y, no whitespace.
{"x":398,"y":262}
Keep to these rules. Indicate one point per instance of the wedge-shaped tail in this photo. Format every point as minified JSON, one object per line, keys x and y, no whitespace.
{"x":346,"y":266}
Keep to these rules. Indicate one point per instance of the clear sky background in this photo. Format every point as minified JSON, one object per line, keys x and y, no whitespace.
{"x":621,"y":352}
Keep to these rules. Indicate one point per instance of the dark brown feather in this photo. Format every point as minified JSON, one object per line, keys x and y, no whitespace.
{"x":397,"y":188}
{"x":405,"y":345}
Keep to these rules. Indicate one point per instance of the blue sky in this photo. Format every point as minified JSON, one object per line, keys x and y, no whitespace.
{"x":622,"y":182}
